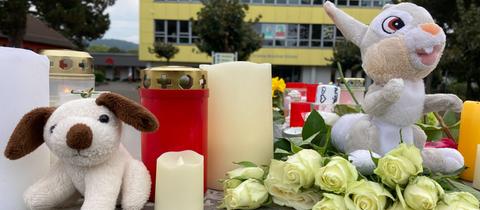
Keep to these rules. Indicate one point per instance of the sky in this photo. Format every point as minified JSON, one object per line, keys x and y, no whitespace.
{"x":123,"y":21}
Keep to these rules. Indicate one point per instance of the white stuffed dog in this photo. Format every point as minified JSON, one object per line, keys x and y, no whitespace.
{"x":85,"y":136}
{"x":399,"y":48}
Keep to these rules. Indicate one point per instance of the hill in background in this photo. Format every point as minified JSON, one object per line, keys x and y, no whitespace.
{"x":115,"y":43}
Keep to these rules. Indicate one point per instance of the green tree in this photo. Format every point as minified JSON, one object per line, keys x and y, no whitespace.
{"x":164,"y":50}
{"x":348,"y":55}
{"x":78,"y":20}
{"x":115,"y":50}
{"x":97,"y":48}
{"x":221,"y":27}
{"x":13,"y":20}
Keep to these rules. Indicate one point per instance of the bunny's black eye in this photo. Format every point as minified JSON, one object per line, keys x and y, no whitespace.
{"x":392,"y":24}
{"x":52,"y":128}
{"x":104,"y":118}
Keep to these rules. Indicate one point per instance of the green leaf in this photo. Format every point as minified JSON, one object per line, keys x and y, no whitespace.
{"x":246,"y":164}
{"x":283,"y":144}
{"x":295,"y":148}
{"x":281,"y":154}
{"x":310,"y":139}
{"x":374,"y":159}
{"x":450,"y":118}
{"x":343,"y":109}
{"x":314,"y":124}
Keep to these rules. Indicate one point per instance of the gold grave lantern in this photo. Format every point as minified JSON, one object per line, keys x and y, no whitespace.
{"x":70,"y":72}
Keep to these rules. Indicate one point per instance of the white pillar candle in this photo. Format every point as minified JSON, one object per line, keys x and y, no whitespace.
{"x":179,"y":181}
{"x":476,"y":176}
{"x":24,"y":87}
{"x":240,"y":124}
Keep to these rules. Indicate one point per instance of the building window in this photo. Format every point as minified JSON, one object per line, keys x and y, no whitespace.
{"x":298,"y":35}
{"x":304,"y":35}
{"x":362,"y":3}
{"x":354,"y":3}
{"x":306,"y":2}
{"x":342,"y":2}
{"x":292,"y":35}
{"x":316,"y":35}
{"x":274,"y":35}
{"x":174,"y":31}
{"x":328,"y":35}
{"x":160,"y":30}
{"x":366,"y":3}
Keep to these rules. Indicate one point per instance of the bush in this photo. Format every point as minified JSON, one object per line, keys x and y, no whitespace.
{"x":99,"y":77}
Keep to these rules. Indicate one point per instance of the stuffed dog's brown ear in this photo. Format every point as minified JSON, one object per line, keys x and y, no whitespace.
{"x":28,"y":135}
{"x":129,"y":111}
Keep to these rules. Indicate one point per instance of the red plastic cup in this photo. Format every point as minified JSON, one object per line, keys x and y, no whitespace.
{"x":295,"y":85}
{"x":297,"y":108}
{"x":311,"y":92}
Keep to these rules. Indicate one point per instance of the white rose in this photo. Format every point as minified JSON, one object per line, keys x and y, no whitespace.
{"x":250,"y":194}
{"x":331,"y":202}
{"x":336,"y":175}
{"x":287,"y":193}
{"x":458,"y":201}
{"x":300,"y":168}
{"x":246,"y":173}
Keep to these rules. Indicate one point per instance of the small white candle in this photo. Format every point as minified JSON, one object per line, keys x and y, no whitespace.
{"x":240,"y":122}
{"x":179,"y":181}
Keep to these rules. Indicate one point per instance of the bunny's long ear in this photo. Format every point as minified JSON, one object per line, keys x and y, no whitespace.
{"x":28,"y":135}
{"x":129,"y":111}
{"x":351,"y":28}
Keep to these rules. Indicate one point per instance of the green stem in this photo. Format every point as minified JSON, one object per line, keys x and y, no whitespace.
{"x":342,"y":79}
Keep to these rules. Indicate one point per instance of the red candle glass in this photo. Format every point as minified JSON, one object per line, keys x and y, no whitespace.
{"x":311,"y":92}
{"x":297,"y":108}
{"x":182,"y":114}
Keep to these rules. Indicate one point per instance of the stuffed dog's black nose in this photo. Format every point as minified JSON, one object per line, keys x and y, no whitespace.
{"x":79,"y":137}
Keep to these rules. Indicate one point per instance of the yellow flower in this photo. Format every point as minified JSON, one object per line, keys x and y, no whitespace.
{"x":278,"y":85}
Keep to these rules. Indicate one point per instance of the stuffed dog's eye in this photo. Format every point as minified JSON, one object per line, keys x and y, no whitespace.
{"x":52,"y":127}
{"x":392,"y":24}
{"x":104,"y":118}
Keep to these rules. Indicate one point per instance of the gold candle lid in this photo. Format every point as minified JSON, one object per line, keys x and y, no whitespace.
{"x":174,"y":78}
{"x":69,"y":63}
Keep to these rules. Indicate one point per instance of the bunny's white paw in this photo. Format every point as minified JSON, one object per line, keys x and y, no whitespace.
{"x":456,"y":104}
{"x":393,"y":89}
{"x":362,"y":160}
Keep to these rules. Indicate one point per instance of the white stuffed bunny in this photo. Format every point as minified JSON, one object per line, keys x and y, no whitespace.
{"x":399,"y":48}
{"x":85,"y":136}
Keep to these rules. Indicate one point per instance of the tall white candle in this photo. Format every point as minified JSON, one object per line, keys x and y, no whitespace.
{"x":240,"y":124}
{"x":24,"y":87}
{"x":476,"y":176}
{"x":179,"y":181}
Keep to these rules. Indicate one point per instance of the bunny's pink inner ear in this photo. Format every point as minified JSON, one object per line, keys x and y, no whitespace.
{"x":129,"y":111}
{"x":28,"y":135}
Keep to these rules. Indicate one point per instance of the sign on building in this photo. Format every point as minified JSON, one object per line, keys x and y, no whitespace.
{"x":224,"y":57}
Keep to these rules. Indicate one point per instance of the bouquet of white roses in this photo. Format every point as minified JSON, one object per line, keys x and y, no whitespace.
{"x":309,"y":173}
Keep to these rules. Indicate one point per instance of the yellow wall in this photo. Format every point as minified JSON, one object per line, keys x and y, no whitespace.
{"x":149,"y":11}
